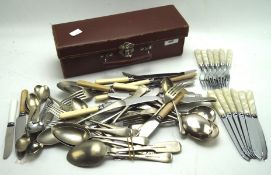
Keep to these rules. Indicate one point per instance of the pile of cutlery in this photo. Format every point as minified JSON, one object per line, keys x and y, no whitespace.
{"x":215,"y":67}
{"x":237,"y":111}
{"x":131,"y":111}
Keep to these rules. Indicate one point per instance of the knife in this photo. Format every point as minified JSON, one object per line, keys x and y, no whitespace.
{"x":256,"y":124}
{"x":227,"y":125}
{"x":103,"y":108}
{"x":130,"y":77}
{"x":235,"y":117}
{"x":242,"y":120}
{"x":150,"y":126}
{"x":255,"y":147}
{"x":21,"y":120}
{"x":10,"y":129}
{"x":229,"y":117}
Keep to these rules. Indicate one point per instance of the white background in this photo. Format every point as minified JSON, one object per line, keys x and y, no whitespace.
{"x":28,"y":57}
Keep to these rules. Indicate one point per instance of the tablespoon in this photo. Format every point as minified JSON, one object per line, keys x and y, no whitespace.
{"x":93,"y":153}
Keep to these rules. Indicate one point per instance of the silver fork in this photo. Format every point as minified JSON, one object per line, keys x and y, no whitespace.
{"x":81,"y":94}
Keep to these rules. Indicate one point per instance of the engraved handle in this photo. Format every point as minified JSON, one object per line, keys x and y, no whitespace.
{"x":229,"y":57}
{"x":198,"y":56}
{"x":93,"y":85}
{"x":216,"y":104}
{"x":242,"y":96}
{"x":113,"y":80}
{"x":222,"y":101}
{"x":205,"y":58}
{"x":157,"y":157}
{"x":77,"y":113}
{"x":251,"y":102}
{"x":227,"y":95}
{"x":216,"y":57}
{"x":210,"y":57}
{"x":24,"y":94}
{"x":222,"y":56}
{"x":236,"y":101}
{"x":184,"y":77}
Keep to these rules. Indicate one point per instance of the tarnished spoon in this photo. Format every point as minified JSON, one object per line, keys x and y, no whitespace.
{"x":22,"y":143}
{"x":93,"y":153}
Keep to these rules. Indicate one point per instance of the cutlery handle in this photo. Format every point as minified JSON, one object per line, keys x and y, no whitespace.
{"x":216,"y":104}
{"x":13,"y":111}
{"x":236,"y":100}
{"x":157,"y":157}
{"x":77,"y":113}
{"x":216,"y":57}
{"x":227,"y":95}
{"x":93,"y":85}
{"x":169,"y":106}
{"x":205,"y":58}
{"x":184,"y":77}
{"x":251,"y":102}
{"x":122,"y":86}
{"x":113,"y":80}
{"x":222,"y":101}
{"x":242,"y":96}
{"x":222,"y":57}
{"x":24,"y":94}
{"x":210,"y":57}
{"x":229,"y":57}
{"x":198,"y":56}
{"x":102,"y":97}
{"x":141,"y":82}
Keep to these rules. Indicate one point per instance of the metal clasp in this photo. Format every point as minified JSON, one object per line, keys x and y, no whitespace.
{"x":126,"y":49}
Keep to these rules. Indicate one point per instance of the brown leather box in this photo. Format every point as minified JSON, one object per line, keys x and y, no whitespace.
{"x":102,"y":43}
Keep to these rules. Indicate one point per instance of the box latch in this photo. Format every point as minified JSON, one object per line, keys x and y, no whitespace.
{"x":127,"y":49}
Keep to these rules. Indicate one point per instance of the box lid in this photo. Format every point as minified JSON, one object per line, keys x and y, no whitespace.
{"x":107,"y":32}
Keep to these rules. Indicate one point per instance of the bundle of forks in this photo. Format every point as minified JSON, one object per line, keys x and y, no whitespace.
{"x":215,"y":67}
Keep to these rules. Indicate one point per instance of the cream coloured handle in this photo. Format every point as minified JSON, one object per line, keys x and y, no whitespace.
{"x":222,"y":101}
{"x":251,"y":102}
{"x":216,"y":104}
{"x":198,"y":56}
{"x":222,"y":56}
{"x":242,"y":96}
{"x":141,"y":82}
{"x":127,"y":87}
{"x":102,"y":97}
{"x":236,"y":100}
{"x":77,"y":113}
{"x":227,"y":95}
{"x":205,"y":58}
{"x":210,"y":57}
{"x":24,"y":94}
{"x":216,"y":57}
{"x":113,"y":80}
{"x":229,"y":57}
{"x":184,"y":77}
{"x":93,"y":85}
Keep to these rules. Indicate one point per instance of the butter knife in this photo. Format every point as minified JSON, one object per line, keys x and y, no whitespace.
{"x":256,"y":124}
{"x":21,"y":120}
{"x":10,"y":129}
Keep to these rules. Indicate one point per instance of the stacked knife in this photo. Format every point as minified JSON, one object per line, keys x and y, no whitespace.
{"x":214,"y":65}
{"x":237,"y":111}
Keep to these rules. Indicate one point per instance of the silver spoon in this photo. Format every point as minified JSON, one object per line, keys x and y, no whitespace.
{"x":22,"y":143}
{"x":93,"y":153}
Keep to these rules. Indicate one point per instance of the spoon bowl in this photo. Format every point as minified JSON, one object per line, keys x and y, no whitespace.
{"x":205,"y":111}
{"x":46,"y":137}
{"x":87,"y":154}
{"x":22,"y":143}
{"x":69,"y":86}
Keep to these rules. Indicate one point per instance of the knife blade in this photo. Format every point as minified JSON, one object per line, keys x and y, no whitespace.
{"x":257,"y":126}
{"x":227,"y":125}
{"x":253,"y":140}
{"x":21,"y":119}
{"x":235,"y":120}
{"x":150,"y":126}
{"x":10,"y":129}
